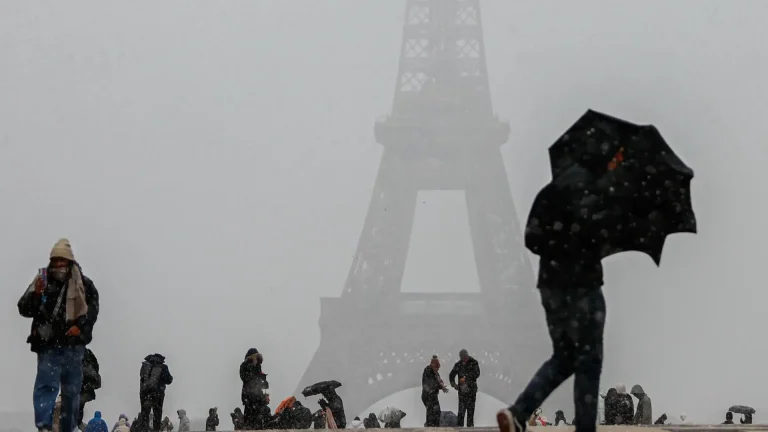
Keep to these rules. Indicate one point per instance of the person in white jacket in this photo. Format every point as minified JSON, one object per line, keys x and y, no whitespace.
{"x":122,"y":425}
{"x":183,"y":421}
{"x":356,"y":424}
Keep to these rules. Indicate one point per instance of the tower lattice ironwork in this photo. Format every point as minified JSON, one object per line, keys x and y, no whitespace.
{"x":442,"y":134}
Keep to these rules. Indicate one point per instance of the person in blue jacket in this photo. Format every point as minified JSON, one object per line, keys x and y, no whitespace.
{"x":97,"y":424}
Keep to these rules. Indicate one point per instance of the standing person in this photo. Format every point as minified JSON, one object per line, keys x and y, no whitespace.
{"x":122,"y":426}
{"x":91,"y":383}
{"x":166,"y":426}
{"x":212,"y":421}
{"x":237,"y":418}
{"x":184,"y":424}
{"x":64,"y":306}
{"x":611,"y":406}
{"x":97,"y":424}
{"x":121,"y":417}
{"x":431,"y":385}
{"x":154,"y":375}
{"x":644,"y":415}
{"x":468,"y":371}
{"x":626,"y":407}
{"x":253,"y":393}
{"x":571,"y":292}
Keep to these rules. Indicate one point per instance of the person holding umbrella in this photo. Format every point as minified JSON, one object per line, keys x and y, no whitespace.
{"x":745,"y":411}
{"x":331,"y":400}
{"x":615,"y":187}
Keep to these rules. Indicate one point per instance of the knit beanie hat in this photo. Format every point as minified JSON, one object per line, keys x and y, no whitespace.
{"x":435,"y":362}
{"x":63,"y":249}
{"x":251,"y":352}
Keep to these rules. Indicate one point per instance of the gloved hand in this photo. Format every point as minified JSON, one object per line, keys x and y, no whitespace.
{"x":39,"y":286}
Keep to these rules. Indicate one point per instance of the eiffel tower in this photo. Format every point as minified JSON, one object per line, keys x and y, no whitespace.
{"x":442,"y":135}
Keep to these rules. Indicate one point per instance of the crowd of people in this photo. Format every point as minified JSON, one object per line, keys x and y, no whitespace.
{"x":63,"y":304}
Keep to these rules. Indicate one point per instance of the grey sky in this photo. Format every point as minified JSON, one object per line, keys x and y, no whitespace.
{"x":212,"y":163}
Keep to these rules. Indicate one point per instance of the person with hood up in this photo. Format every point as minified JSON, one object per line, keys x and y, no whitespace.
{"x":183,"y":421}
{"x":357,"y":424}
{"x":570,"y":281}
{"x":122,"y":426}
{"x":212,"y":421}
{"x":560,"y":418}
{"x":91,"y":383}
{"x":626,"y":406}
{"x":728,"y":418}
{"x":431,"y":385}
{"x":154,"y":375}
{"x":611,"y":406}
{"x":166,"y":426}
{"x":97,"y":424}
{"x":238,"y":419}
{"x":644,"y":414}
{"x":371,"y":422}
{"x":117,"y":423}
{"x":253,"y":394}
{"x":64,"y":306}
{"x":468,"y":371}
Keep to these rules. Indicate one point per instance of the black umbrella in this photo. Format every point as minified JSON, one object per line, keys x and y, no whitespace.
{"x":320,"y":388}
{"x":616,"y":185}
{"x":742,"y":409}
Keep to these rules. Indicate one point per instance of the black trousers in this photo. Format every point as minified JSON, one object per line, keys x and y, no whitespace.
{"x":576,"y":318}
{"x":432,"y":404}
{"x":84,"y":399}
{"x":466,"y":404}
{"x":255,"y":416}
{"x":152,"y":402}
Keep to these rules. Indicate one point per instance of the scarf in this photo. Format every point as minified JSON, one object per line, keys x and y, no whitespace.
{"x":76,"y":306}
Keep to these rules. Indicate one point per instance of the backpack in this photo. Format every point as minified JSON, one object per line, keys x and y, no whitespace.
{"x":151,"y":377}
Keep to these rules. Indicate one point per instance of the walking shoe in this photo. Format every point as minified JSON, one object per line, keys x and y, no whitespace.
{"x":508,"y":422}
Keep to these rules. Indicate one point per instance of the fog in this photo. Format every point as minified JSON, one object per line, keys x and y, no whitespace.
{"x":212,"y":164}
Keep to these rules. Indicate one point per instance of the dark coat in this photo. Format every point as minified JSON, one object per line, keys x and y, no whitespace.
{"x":254,"y":382}
{"x":470,"y":371}
{"x":371,"y":422}
{"x":337,"y":408}
{"x":150,"y":363}
{"x":431,"y":384}
{"x":238,"y":419}
{"x":626,"y":410}
{"x":32,"y":306}
{"x":611,"y":406}
{"x":91,"y":377}
{"x":212,"y":421}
